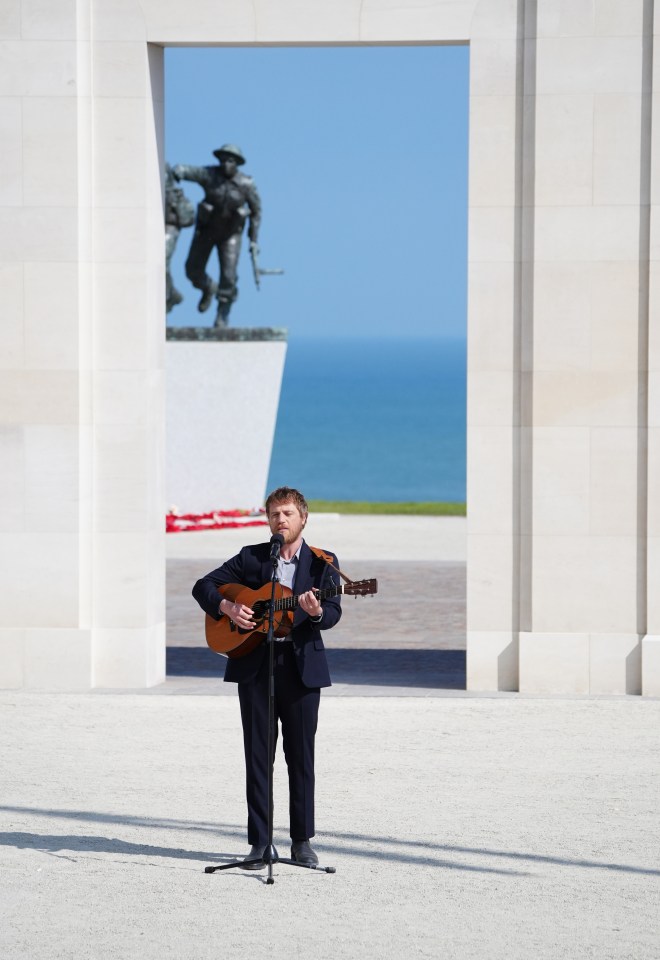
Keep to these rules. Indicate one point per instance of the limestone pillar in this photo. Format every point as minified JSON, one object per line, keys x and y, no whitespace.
{"x":81,"y":442}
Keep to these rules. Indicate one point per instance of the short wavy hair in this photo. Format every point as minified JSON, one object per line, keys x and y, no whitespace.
{"x":287,"y":495}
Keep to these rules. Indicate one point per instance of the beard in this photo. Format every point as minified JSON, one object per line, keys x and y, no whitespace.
{"x":290,"y":529}
{"x":293,"y":532}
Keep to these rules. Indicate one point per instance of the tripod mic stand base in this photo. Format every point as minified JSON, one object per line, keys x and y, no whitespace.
{"x":269,"y":859}
{"x":307,"y":866}
{"x":269,"y":856}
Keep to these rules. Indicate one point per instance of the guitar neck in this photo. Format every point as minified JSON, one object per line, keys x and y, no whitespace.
{"x":291,"y":603}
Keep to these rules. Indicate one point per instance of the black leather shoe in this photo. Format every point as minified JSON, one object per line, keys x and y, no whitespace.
{"x":256,"y":851}
{"x":302,"y":852}
{"x":207,"y":298}
{"x":222,"y":316}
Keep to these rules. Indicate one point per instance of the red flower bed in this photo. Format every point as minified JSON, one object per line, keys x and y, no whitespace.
{"x":216,"y":520}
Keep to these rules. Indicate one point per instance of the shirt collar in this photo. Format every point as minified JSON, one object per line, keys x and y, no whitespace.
{"x":295,"y":557}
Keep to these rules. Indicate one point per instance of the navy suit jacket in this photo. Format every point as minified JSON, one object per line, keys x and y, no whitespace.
{"x":252,"y":568}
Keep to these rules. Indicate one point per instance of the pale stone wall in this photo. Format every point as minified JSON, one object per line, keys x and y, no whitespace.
{"x":82,"y":448}
{"x":558,"y":598}
{"x":564,"y":347}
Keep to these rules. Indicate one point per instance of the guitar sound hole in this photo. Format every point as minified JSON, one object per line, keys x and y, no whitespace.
{"x":260,"y":609}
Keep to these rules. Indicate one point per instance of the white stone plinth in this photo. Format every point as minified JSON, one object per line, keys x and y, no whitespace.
{"x":651,"y":666}
{"x":492,"y":660}
{"x":222,"y":399}
{"x":580,"y":663}
{"x":554,"y":663}
{"x":615,"y":663}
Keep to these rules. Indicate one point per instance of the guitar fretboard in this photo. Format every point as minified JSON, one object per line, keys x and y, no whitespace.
{"x":290,"y":603}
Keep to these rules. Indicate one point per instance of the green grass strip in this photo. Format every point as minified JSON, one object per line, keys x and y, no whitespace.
{"x":363,"y":506}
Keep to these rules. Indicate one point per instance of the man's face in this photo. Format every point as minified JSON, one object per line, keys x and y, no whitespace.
{"x":285,"y":518}
{"x":228,"y":166}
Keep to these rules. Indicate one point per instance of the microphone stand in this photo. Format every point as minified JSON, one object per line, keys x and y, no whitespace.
{"x":270,"y":855}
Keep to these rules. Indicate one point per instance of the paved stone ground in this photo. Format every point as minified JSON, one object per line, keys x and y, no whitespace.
{"x":408,"y":639}
{"x":496,"y":827}
{"x":460,"y":828}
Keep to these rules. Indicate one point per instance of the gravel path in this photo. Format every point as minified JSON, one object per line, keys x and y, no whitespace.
{"x":493,"y":827}
{"x":462,"y":827}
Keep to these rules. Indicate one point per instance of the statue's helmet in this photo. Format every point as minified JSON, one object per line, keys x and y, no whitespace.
{"x":230,"y":150}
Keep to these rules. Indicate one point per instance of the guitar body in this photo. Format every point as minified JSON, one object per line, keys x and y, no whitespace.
{"x":224,"y":636}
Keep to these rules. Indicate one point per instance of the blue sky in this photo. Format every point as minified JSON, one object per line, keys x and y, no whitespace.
{"x":360,"y":157}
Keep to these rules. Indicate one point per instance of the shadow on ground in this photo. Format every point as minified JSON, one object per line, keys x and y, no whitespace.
{"x":403,"y":850}
{"x":431,"y":669}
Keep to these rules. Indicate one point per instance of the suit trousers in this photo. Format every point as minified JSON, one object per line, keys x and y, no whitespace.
{"x":296,"y":708}
{"x":229,"y":249}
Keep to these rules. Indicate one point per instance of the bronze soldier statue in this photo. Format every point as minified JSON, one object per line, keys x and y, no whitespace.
{"x":230,"y":197}
{"x":179,"y":213}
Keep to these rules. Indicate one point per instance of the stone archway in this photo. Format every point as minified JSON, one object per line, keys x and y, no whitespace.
{"x":563,"y":437}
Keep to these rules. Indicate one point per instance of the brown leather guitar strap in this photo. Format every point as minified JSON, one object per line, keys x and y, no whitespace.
{"x":328,"y":559}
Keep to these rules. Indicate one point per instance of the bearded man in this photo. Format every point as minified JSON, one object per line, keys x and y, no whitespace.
{"x":300,"y":668}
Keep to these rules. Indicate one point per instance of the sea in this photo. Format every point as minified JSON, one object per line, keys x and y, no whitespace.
{"x":367,"y":419}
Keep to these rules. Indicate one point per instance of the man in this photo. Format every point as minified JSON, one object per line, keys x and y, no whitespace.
{"x":301,"y":668}
{"x":179,"y":213}
{"x":229,"y":198}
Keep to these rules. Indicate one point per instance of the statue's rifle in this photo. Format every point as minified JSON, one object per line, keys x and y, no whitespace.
{"x":259,"y":272}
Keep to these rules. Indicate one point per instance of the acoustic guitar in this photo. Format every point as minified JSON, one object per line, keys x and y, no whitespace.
{"x":224,"y":636}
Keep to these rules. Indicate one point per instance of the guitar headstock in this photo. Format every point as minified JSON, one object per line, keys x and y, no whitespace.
{"x":361,"y":588}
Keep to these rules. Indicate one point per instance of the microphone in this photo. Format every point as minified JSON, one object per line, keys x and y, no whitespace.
{"x":276,"y":542}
